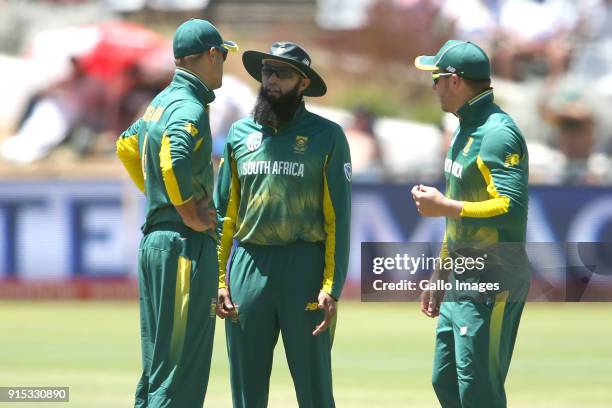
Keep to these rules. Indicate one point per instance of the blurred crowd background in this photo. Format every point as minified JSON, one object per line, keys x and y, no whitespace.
{"x":75,"y":73}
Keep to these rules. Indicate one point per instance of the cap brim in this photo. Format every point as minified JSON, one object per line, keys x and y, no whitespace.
{"x":230,"y":46}
{"x":252,"y":61}
{"x":426,"y":63}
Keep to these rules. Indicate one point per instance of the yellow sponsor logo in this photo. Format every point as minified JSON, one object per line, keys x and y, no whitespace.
{"x":512,"y":160}
{"x":312,"y":306}
{"x":466,"y":149}
{"x":190,"y":127}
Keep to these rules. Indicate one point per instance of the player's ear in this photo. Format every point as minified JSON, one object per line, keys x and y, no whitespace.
{"x":456,"y":79}
{"x":304,"y":83}
{"x":211,"y":55}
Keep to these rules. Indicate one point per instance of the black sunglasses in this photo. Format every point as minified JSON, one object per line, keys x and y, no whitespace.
{"x":281,"y":72}
{"x":571,"y":125}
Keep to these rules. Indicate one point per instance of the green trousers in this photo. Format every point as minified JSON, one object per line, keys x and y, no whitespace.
{"x":177,"y":271}
{"x":275,"y":289}
{"x":474,"y":344}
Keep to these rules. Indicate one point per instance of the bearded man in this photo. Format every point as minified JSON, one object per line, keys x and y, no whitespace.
{"x":284,"y":196}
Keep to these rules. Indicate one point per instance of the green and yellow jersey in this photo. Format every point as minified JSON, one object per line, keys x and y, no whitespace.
{"x":487,"y":168}
{"x":278,"y":186}
{"x":167,"y":152}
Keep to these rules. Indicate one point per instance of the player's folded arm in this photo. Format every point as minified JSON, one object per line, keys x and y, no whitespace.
{"x":129,"y":155}
{"x":337,"y":214}
{"x":501,"y":164}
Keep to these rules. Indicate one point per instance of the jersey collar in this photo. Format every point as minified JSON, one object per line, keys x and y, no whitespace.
{"x":474,"y":108}
{"x":187,"y":79}
{"x":299,"y":112}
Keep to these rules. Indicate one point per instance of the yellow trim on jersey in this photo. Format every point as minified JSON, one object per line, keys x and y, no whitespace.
{"x":495,"y":331}
{"x":497,"y":205}
{"x":198,"y":144}
{"x":165,"y":162}
{"x":143,"y":160}
{"x":181,"y":308}
{"x":330,"y":240}
{"x":444,"y":248}
{"x":127,"y":152}
{"x":229,"y":223}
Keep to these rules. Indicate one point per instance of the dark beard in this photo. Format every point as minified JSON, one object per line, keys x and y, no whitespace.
{"x":272,"y":111}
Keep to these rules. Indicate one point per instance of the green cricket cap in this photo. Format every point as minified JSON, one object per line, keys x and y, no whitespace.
{"x":195,"y":36}
{"x":463,"y":58}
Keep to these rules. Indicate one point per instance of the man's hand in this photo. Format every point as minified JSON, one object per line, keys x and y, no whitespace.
{"x":432,"y":203}
{"x":225,"y":307}
{"x":430,"y":302}
{"x":208,"y":216}
{"x":197,"y":216}
{"x":328,"y":304}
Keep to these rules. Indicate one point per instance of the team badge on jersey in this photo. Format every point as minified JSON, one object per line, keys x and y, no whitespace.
{"x":348,"y":171}
{"x":254,"y":141}
{"x":301,"y":144}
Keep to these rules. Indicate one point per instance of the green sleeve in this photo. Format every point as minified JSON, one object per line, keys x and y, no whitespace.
{"x":175,"y":161}
{"x":129,"y":154}
{"x":503,"y":163}
{"x":227,"y":200}
{"x":337,"y":214}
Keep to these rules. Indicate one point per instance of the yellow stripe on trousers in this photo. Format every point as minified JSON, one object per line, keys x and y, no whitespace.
{"x":495,"y":332}
{"x":181,"y":308}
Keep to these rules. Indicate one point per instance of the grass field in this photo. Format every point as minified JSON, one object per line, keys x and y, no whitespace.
{"x":382,"y":356}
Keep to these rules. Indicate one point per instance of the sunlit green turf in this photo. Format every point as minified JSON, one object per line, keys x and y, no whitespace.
{"x":382,"y":356}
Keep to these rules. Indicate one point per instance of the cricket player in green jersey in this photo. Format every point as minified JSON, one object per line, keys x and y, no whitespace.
{"x":485,"y":206}
{"x":284,"y":194}
{"x":167,"y":153}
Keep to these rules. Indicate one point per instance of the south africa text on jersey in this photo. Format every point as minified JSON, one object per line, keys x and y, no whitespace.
{"x":453,"y":168}
{"x":281,"y":168}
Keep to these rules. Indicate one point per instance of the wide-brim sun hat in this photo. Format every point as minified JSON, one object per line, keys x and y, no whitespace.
{"x":288,"y":53}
